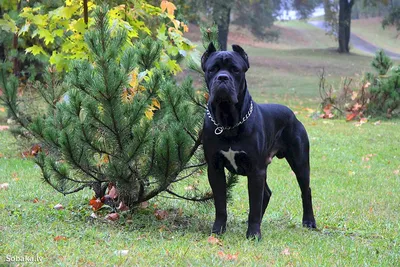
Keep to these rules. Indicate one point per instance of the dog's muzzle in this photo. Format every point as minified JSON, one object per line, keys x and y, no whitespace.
{"x":223,"y":90}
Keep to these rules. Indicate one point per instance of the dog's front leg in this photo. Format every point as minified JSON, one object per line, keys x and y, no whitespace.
{"x":217,"y":180}
{"x":256,"y":185}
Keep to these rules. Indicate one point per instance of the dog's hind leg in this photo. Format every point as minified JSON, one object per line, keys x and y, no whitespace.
{"x":298,"y":159}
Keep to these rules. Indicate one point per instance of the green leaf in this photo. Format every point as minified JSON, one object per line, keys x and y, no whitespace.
{"x":35,"y":49}
{"x":8,"y":24}
{"x":79,"y":26}
{"x":46,"y":35}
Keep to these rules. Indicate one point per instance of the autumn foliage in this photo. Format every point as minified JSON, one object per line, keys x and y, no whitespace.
{"x":373,"y":94}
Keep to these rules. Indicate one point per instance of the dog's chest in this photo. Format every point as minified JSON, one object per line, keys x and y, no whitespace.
{"x":236,"y":161}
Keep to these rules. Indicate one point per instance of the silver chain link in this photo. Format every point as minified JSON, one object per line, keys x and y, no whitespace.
{"x":220,"y":128}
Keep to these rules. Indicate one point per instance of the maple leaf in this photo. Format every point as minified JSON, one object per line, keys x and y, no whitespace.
{"x":4,"y":127}
{"x":228,"y":257}
{"x":96,"y":203}
{"x":58,"y":207}
{"x":351,"y":116}
{"x":170,"y":7}
{"x":112,"y":216}
{"x":185,"y":27}
{"x":161,"y":214}
{"x":214,"y":241}
{"x":286,"y":252}
{"x":122,"y":206}
{"x":60,"y":238}
{"x":356,"y":107}
{"x":4,"y":186}
{"x":35,"y":49}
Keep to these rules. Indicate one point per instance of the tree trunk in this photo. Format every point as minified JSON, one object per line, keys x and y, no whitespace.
{"x":344,"y":25}
{"x":222,"y":16}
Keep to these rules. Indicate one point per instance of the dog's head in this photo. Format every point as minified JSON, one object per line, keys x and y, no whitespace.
{"x":225,"y":74}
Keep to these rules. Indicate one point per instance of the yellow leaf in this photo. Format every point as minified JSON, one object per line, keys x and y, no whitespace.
{"x":149,"y":114}
{"x":185,"y":27}
{"x":35,"y":49}
{"x":170,"y":7}
{"x":176,"y":23}
{"x":156,"y":103}
{"x":134,"y":81}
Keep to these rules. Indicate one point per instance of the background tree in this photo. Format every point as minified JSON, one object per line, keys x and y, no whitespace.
{"x":345,"y":7}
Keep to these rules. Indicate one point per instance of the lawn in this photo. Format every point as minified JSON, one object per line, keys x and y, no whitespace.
{"x":371,"y":30}
{"x":354,"y":176}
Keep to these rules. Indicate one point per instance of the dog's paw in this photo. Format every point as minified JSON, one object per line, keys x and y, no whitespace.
{"x":219,"y":228}
{"x":253,"y":235}
{"x":253,"y":232}
{"x":311,"y":224}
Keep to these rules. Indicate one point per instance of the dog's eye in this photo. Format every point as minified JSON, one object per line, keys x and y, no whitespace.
{"x":213,"y":69}
{"x":235,"y":69}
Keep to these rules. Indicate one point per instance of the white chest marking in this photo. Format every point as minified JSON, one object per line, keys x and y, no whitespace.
{"x":230,"y":156}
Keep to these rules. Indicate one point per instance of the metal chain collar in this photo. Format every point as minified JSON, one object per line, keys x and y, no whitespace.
{"x":220,"y":128}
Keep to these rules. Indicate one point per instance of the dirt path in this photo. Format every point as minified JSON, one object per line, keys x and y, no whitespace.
{"x":359,"y":43}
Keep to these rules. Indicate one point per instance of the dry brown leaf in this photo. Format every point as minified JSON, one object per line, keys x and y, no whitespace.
{"x":4,"y":186}
{"x":96,"y":203}
{"x":122,"y":206}
{"x":4,"y":127}
{"x":144,"y":205}
{"x":59,"y":238}
{"x":161,"y":214}
{"x":112,"y":216}
{"x":286,"y":252}
{"x":214,"y":241}
{"x":58,"y":207}
{"x":228,"y":257}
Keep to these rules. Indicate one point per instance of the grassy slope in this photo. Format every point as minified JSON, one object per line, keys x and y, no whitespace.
{"x":356,"y":201}
{"x":371,"y":30}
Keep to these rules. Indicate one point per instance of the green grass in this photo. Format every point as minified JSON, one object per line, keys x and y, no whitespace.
{"x":356,"y":201}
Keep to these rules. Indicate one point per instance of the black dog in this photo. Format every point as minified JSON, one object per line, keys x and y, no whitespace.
{"x":243,"y":137}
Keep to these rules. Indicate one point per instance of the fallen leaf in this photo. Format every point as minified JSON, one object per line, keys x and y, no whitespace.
{"x":396,"y":172}
{"x":93,"y":215}
{"x":2,"y":109}
{"x":36,"y":200}
{"x":4,"y":186}
{"x":112,"y":217}
{"x":59,"y":238}
{"x":363,"y":120}
{"x":96,"y":203}
{"x":122,"y":206}
{"x":113,"y":192}
{"x":58,"y":207}
{"x":377,"y":123}
{"x":228,"y":257}
{"x":144,"y":205}
{"x":351,"y":116}
{"x":214,"y":241}
{"x":286,"y":252}
{"x":4,"y":127}
{"x":123,"y":252}
{"x":161,"y":214}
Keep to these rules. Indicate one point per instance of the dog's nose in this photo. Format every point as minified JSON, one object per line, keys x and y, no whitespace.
{"x":223,"y":77}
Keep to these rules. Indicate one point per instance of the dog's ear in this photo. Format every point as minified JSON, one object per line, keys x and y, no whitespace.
{"x":241,"y":52}
{"x":211,"y":49}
